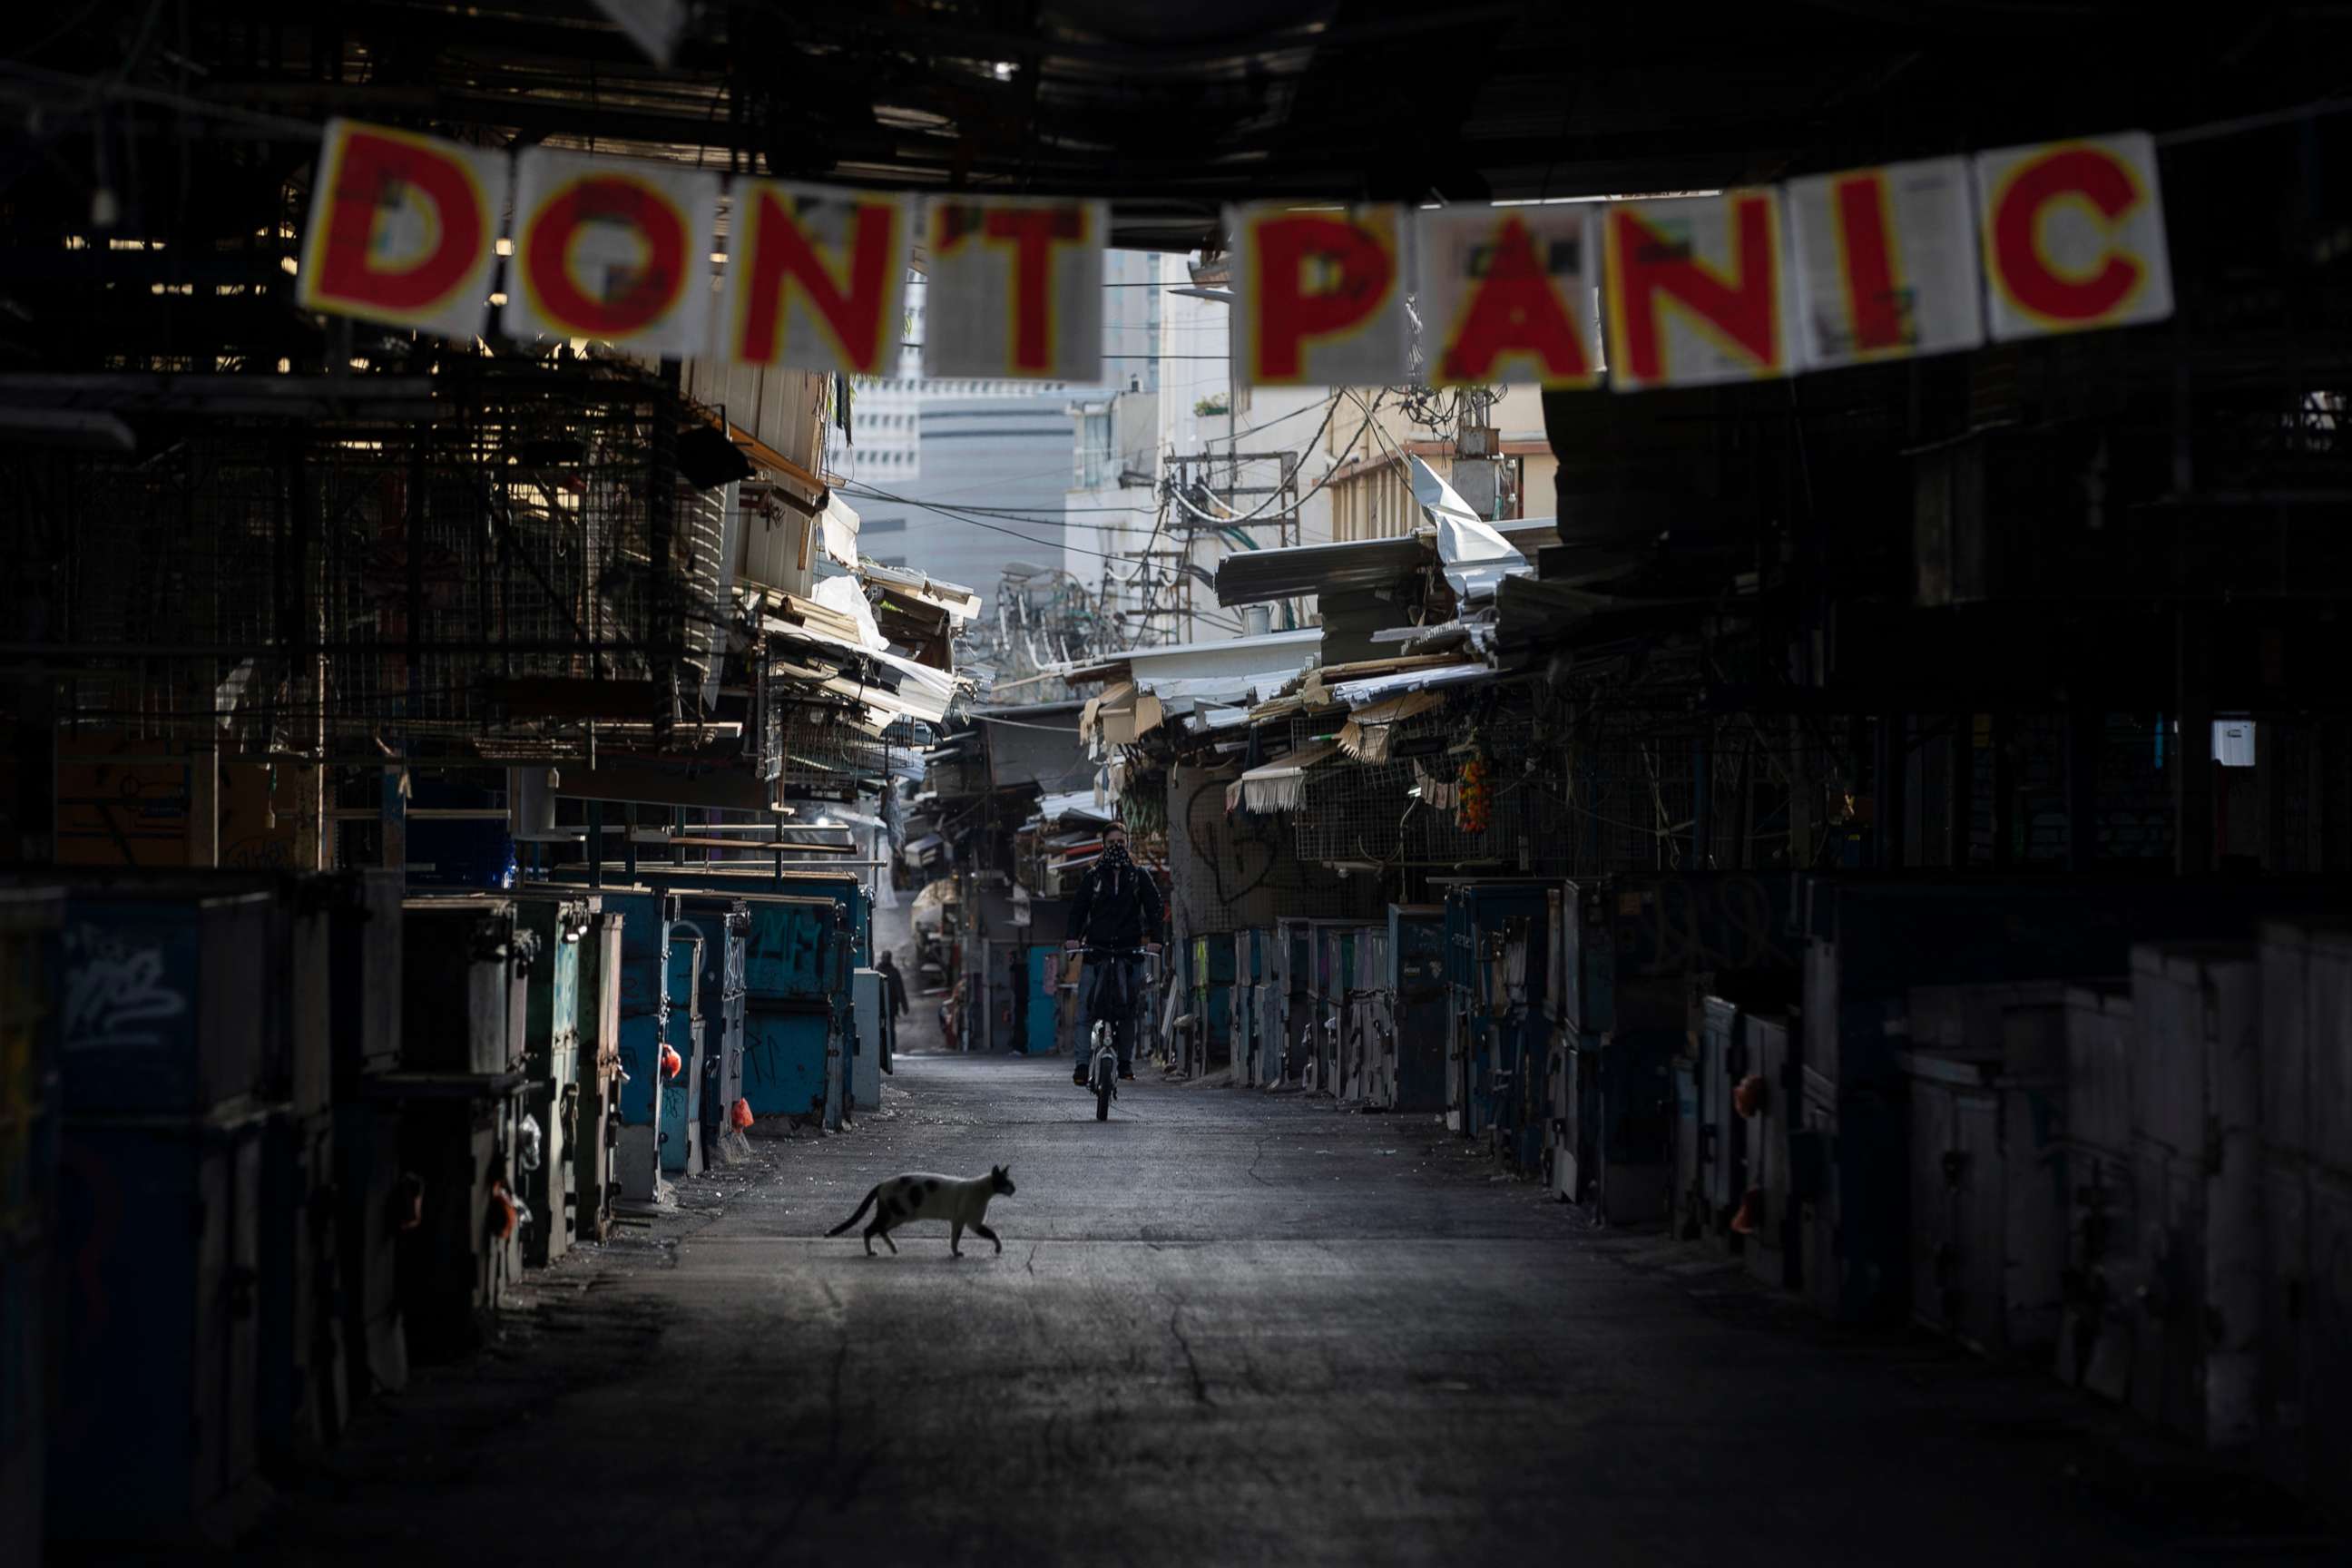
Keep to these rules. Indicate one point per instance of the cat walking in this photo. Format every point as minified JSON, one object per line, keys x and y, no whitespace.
{"x":961,"y":1201}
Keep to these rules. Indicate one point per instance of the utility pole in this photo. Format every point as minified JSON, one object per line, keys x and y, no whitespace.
{"x":1478,"y":453}
{"x":1226,"y":517}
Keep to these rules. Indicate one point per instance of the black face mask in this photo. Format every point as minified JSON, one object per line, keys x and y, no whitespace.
{"x":1114,"y":856}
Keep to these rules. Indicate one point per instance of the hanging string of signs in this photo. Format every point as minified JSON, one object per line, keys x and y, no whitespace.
{"x":1825,"y":271}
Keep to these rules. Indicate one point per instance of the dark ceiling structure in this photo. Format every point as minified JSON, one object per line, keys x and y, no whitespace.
{"x":1169,"y":109}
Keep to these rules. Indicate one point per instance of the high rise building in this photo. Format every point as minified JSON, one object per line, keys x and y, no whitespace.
{"x":962,"y":478}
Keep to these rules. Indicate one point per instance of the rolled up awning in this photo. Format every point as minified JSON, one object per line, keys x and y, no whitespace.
{"x":1368,"y":736}
{"x":1120,"y":717}
{"x":840,"y":531}
{"x":1278,"y":785}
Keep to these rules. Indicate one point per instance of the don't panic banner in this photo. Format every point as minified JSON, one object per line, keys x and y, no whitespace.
{"x":1827,"y":271}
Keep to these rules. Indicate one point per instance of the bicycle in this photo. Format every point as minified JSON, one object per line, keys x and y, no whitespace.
{"x":1105,"y":1030}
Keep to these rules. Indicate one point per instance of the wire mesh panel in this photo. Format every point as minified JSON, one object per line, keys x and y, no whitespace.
{"x":1231,"y":870}
{"x":1563,"y":791}
{"x":290,"y":586}
{"x":1450,"y":795}
{"x":826,"y":756}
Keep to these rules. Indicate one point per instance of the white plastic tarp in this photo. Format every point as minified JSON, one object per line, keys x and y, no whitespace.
{"x":913,"y":689}
{"x":840,"y":533}
{"x":845,"y":597}
{"x":1474,"y":556}
{"x":1281,"y":785}
{"x":923,"y":692}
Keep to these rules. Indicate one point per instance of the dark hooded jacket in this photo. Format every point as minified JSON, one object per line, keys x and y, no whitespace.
{"x":1116,"y":905}
{"x":894,"y":987}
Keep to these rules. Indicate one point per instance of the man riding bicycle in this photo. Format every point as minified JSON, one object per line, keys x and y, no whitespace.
{"x":1116,"y":911}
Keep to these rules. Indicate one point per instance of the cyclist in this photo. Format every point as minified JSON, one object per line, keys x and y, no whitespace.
{"x":1116,"y":911}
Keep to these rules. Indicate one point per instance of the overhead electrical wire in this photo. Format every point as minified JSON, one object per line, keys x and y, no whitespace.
{"x":959,"y":514}
{"x":859,"y":489}
{"x":1311,"y":491}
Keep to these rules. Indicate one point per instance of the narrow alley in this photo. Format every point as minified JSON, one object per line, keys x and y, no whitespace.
{"x":1224,"y":1328}
{"x":1666,"y":704}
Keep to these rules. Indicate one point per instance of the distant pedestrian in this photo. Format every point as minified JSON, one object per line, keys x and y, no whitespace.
{"x":895,"y":984}
{"x":1115,"y":920}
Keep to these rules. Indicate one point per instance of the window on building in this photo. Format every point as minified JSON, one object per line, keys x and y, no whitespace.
{"x":1094,"y":460}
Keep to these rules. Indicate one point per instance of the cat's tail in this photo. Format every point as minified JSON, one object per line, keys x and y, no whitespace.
{"x":853,"y":1219}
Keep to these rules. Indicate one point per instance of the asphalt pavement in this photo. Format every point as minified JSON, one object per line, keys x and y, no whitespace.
{"x":1225,"y":1326}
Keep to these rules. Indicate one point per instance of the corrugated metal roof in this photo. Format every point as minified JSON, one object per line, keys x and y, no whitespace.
{"x":1226,"y":656}
{"x":1256,"y":576}
{"x":1259,"y":576}
{"x":1076,"y":804}
{"x":1355,"y":693}
{"x":1009,"y":711}
{"x":957,"y":601}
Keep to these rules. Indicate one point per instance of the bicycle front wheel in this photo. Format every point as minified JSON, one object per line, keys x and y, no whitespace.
{"x":1104,"y":1079}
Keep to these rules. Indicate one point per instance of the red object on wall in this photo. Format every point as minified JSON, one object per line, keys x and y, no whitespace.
{"x":1750,"y":1217}
{"x":1749,"y":1098}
